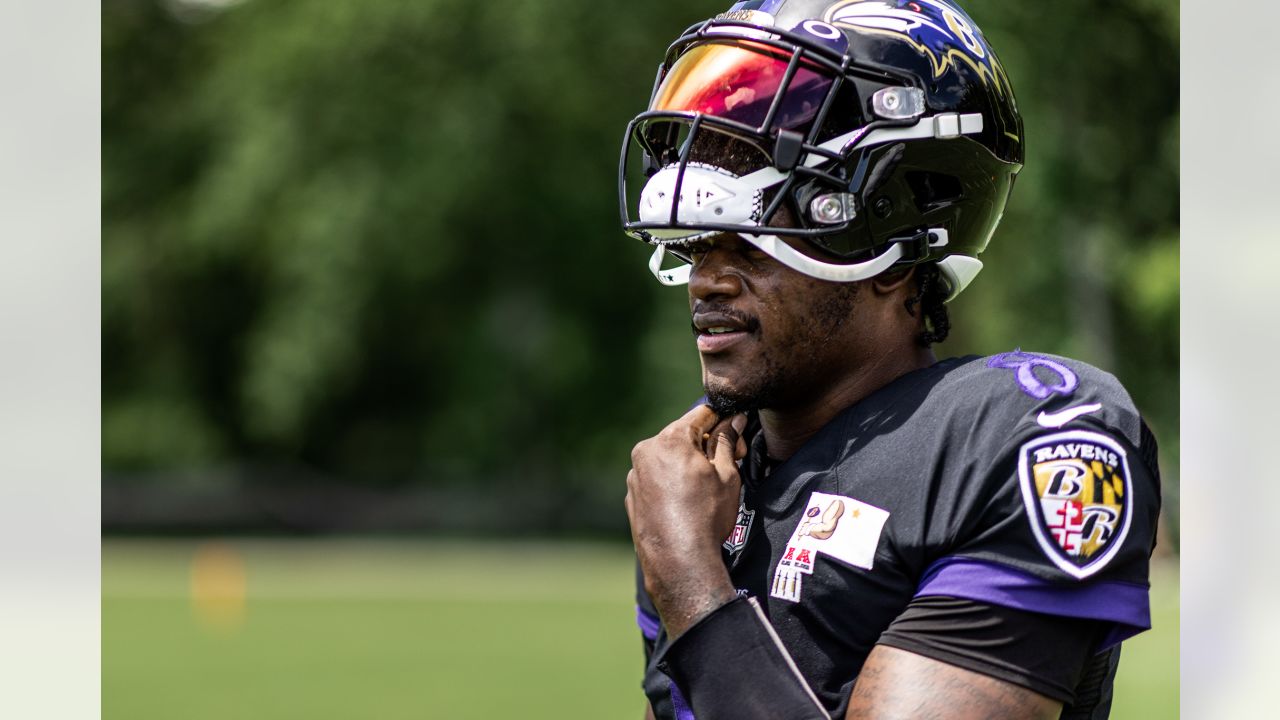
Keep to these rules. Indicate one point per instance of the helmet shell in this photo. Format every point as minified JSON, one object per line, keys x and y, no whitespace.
{"x":961,"y":184}
{"x":903,"y":190}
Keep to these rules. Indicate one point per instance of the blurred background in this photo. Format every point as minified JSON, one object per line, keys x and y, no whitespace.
{"x":375,"y":352}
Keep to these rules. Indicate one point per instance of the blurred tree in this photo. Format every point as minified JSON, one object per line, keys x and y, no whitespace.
{"x":1085,"y":263}
{"x":379,"y":239}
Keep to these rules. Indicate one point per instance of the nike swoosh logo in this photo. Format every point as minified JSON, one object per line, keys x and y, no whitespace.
{"x":1062,"y":417}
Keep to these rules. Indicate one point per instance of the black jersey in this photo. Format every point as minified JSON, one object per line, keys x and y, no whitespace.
{"x":1020,"y":482}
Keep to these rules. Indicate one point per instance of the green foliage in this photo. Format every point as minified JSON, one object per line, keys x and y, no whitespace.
{"x":379,"y":239}
{"x":1085,"y":263}
{"x":376,"y":237}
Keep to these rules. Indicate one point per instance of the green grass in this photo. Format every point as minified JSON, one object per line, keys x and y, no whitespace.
{"x":1147,"y":682}
{"x":388,"y":630}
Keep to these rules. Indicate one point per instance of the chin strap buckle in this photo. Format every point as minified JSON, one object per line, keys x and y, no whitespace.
{"x":918,"y":246}
{"x":957,"y":270}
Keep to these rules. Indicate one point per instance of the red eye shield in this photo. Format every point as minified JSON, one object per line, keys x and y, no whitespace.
{"x":738,"y":80}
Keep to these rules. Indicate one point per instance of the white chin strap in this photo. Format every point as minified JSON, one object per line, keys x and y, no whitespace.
{"x":789,"y":256}
{"x":798,"y":261}
{"x":959,"y":270}
{"x":678,"y":275}
{"x":711,"y":195}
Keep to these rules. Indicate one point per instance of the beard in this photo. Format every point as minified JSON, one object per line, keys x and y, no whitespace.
{"x":727,"y":401}
{"x":795,"y":367}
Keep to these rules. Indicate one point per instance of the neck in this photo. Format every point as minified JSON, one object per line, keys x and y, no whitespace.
{"x":787,"y":429}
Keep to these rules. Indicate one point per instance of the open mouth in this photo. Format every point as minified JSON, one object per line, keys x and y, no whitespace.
{"x":717,"y":330}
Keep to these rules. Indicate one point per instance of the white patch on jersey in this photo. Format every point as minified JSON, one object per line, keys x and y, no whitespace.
{"x":786,"y":584}
{"x":1062,"y":417}
{"x":844,"y":528}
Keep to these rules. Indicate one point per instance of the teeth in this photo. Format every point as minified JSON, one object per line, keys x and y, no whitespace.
{"x":718,"y":330}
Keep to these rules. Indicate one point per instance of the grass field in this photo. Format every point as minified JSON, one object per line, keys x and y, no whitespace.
{"x":351,"y":629}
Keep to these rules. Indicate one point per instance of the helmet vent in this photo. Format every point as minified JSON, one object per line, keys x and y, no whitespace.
{"x":933,"y":191}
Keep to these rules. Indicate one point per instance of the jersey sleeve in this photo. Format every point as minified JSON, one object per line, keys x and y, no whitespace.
{"x":1050,"y":655}
{"x":665,"y":698}
{"x":1058,"y":503}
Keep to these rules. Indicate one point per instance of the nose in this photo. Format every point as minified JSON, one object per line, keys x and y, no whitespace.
{"x":714,"y":274}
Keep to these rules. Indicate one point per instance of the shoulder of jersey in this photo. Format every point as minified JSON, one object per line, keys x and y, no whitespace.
{"x":1016,"y":392}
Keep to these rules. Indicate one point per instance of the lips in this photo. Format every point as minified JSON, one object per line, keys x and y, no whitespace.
{"x":718,"y":330}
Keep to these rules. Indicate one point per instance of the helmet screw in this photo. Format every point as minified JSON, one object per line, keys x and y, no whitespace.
{"x":833,"y":208}
{"x":883,"y":207}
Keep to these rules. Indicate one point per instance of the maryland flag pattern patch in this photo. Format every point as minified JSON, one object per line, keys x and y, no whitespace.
{"x":1078,"y":494}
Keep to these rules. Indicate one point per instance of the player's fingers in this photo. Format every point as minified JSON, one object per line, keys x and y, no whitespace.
{"x":695,"y":423}
{"x":709,"y":443}
{"x":723,"y":460}
{"x":731,"y":428}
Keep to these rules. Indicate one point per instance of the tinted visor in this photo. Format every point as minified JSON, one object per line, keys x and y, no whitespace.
{"x":738,"y":80}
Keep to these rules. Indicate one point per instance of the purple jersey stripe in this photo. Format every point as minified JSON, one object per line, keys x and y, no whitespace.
{"x":678,"y":704}
{"x":648,"y":624}
{"x":1124,"y":604}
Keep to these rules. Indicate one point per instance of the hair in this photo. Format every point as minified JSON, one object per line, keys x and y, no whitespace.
{"x":726,"y":151}
{"x":931,"y":295}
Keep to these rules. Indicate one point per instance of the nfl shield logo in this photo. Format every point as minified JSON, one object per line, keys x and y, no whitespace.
{"x":738,"y":538}
{"x":1079,"y":497}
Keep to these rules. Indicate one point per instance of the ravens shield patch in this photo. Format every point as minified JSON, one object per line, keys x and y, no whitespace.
{"x":1078,"y":494}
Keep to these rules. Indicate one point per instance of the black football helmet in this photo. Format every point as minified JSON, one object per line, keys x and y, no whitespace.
{"x":872,"y":134}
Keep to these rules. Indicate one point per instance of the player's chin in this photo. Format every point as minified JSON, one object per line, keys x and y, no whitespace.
{"x":725,"y":375}
{"x":727,"y":394}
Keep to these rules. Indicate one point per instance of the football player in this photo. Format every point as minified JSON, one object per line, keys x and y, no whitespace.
{"x":846,"y":526}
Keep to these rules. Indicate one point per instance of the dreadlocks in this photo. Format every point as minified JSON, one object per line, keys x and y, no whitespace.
{"x":931,"y":295}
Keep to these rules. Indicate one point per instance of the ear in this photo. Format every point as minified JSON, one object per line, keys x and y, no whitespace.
{"x":893,"y":281}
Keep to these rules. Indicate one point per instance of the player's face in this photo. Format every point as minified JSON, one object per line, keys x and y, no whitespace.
{"x":769,"y":337}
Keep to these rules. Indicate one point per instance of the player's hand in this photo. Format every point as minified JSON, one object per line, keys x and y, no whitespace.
{"x":682,"y":499}
{"x":684,"y":483}
{"x":731,"y":428}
